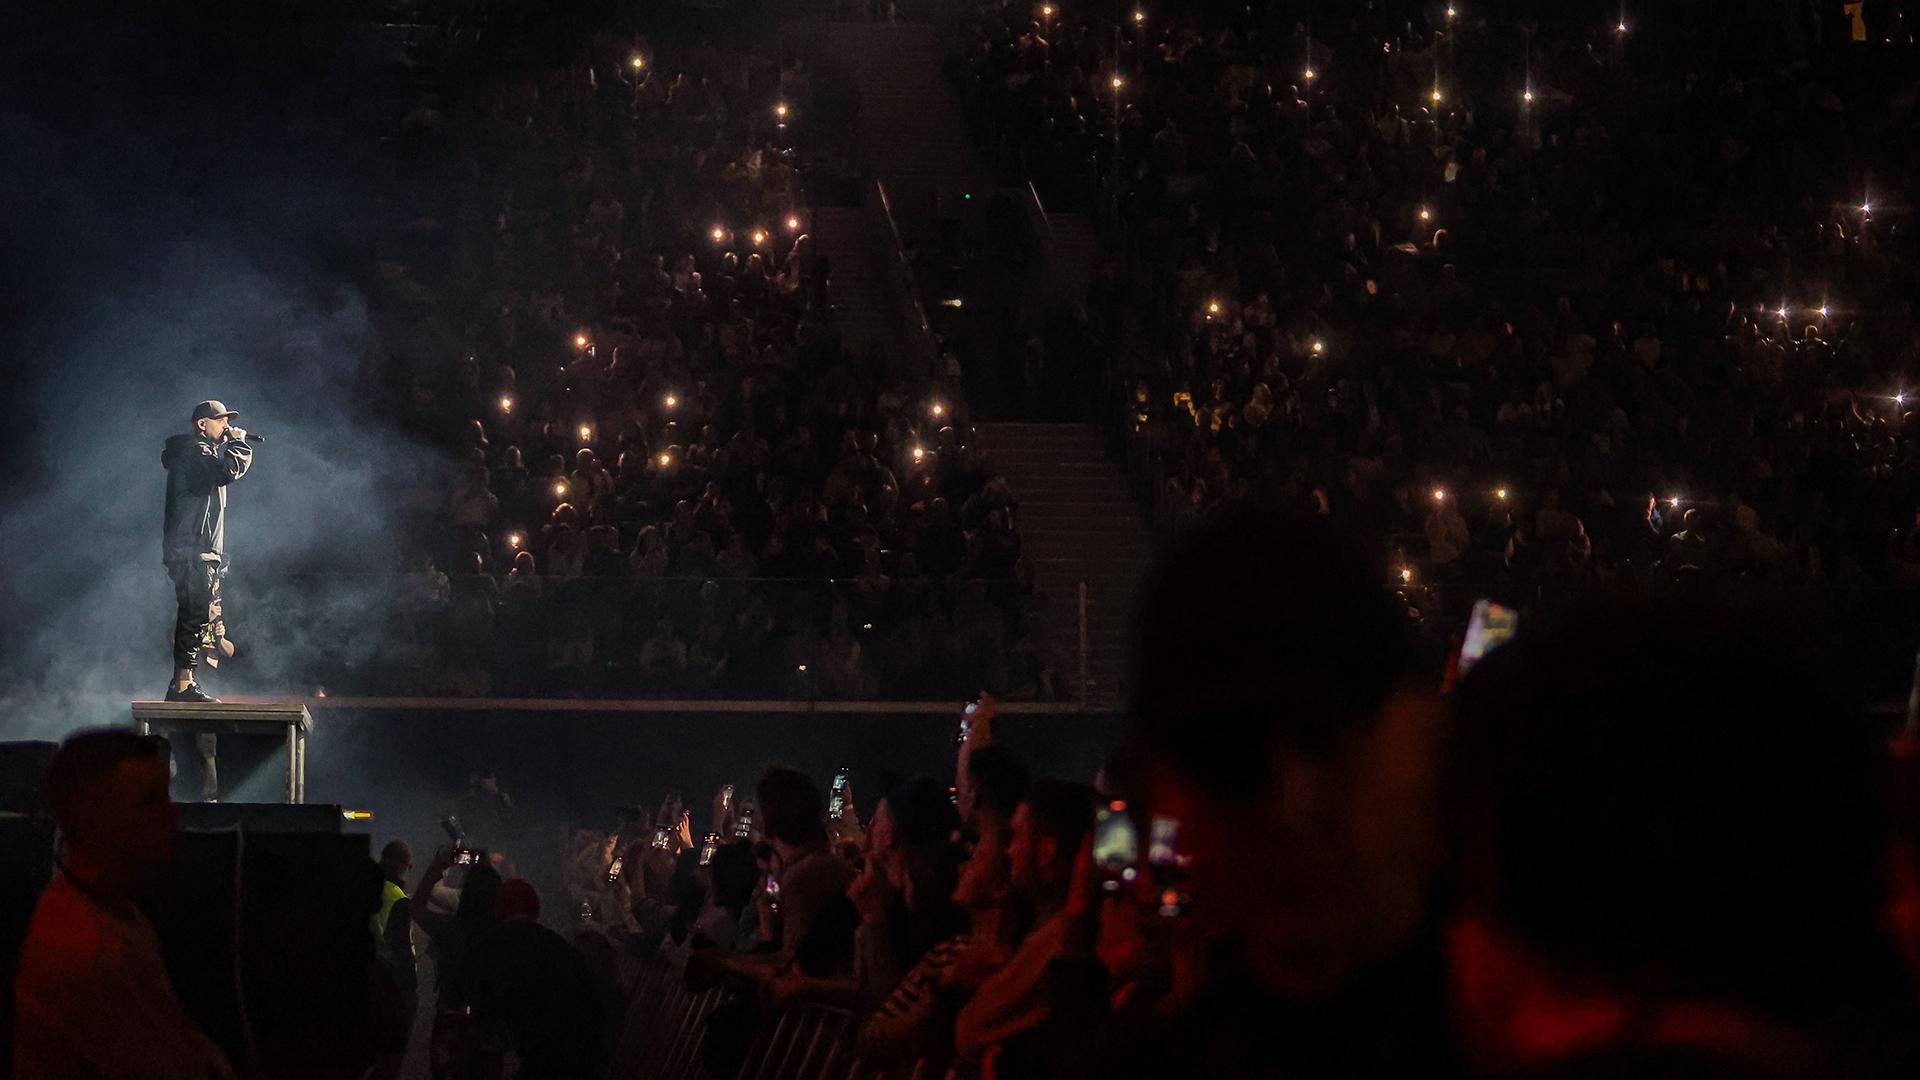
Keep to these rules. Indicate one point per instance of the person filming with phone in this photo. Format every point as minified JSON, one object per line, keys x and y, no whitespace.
{"x":200,"y":465}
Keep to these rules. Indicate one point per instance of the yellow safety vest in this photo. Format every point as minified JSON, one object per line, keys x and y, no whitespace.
{"x":390,"y":894}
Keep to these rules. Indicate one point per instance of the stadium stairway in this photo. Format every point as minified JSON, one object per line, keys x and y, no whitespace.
{"x":912,"y":135}
{"x":1078,"y":521}
{"x":863,"y":294}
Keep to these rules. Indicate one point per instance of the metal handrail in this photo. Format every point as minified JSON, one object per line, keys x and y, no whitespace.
{"x":918,"y":328}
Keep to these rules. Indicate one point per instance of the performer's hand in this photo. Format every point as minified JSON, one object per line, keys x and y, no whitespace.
{"x":236,"y":432}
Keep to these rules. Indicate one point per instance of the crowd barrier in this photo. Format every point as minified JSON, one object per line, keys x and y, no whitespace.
{"x":665,"y":1034}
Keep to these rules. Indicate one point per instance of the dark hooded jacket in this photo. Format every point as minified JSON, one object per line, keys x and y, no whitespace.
{"x":198,"y":472}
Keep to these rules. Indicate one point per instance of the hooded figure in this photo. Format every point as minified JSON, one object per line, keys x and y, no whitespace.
{"x":199,"y":467}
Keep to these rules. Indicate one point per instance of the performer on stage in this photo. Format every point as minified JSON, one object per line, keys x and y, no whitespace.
{"x":199,"y":468}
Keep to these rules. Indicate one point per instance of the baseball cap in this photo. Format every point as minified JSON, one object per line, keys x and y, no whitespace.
{"x":209,"y":410}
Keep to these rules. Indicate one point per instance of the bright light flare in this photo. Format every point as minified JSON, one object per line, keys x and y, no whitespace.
{"x":938,"y":409}
{"x":1439,"y":495}
{"x":780,"y":110}
{"x":1309,"y":74}
{"x":560,"y":489}
{"x":1500,"y":493}
{"x":1406,"y":575}
{"x":793,"y":224}
{"x":1436,"y":95}
{"x":1527,"y":95}
{"x":1426,"y":214}
{"x":1046,"y":11}
{"x":670,"y":401}
{"x":665,"y":460}
{"x":719,"y":234}
{"x":637,"y":63}
{"x":514,"y":540}
{"x":919,"y":453}
{"x":1117,"y":82}
{"x":579,"y":341}
{"x":1319,"y":347}
{"x":1673,"y":501}
{"x":1620,"y":27}
{"x":586,"y":432}
{"x":506,"y":403}
{"x":759,"y":237}
{"x":1139,"y":17}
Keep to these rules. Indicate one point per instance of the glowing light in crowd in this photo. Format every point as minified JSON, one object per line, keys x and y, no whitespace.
{"x":938,"y":409}
{"x":1213,"y":308}
{"x":1406,"y":575}
{"x":919,"y":453}
{"x":780,"y":110}
{"x":638,"y":62}
{"x":514,"y":540}
{"x":759,"y":237}
{"x":1620,"y":27}
{"x":719,"y":235}
{"x":1866,"y":207}
{"x":560,"y":489}
{"x":1117,"y":82}
{"x":1822,"y":309}
{"x":1527,"y":95}
{"x":793,"y":224}
{"x":1426,"y":214}
{"x":1046,"y":11}
{"x":506,"y":403}
{"x":586,"y":432}
{"x":665,"y":460}
{"x":1783,"y":309}
{"x":1309,"y":74}
{"x":1319,"y":346}
{"x":1674,"y":502}
{"x":1439,"y":495}
{"x":1436,"y":95}
{"x":803,"y":669}
{"x":356,"y":815}
{"x":953,"y":302}
{"x":1139,"y":17}
{"x":1899,"y":399}
{"x":670,"y":401}
{"x":1500,"y":493}
{"x":1452,"y":12}
{"x":579,"y":341}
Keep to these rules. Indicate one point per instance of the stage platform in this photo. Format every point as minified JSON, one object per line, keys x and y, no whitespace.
{"x":288,"y":720}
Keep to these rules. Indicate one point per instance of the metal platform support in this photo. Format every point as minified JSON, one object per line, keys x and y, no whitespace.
{"x":290,"y":720}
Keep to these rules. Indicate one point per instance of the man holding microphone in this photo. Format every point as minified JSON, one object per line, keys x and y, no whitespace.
{"x":199,"y":466}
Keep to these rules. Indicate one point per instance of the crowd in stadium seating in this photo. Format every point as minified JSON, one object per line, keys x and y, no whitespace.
{"x":1524,"y":297}
{"x":667,"y":475}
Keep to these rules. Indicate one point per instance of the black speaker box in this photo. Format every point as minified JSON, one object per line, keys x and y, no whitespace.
{"x":317,"y":818}
{"x":23,"y":776}
{"x":26,"y":865}
{"x":267,"y":941}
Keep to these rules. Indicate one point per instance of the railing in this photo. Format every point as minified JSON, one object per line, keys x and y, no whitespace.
{"x":860,"y":638}
{"x":913,"y":314}
{"x":665,"y":1036}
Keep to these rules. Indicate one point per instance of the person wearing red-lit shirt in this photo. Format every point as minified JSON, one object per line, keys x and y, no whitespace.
{"x":93,"y":999}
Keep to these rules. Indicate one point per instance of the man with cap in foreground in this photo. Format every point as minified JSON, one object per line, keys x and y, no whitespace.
{"x":199,"y":468}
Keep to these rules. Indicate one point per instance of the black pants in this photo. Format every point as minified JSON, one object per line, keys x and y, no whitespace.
{"x":194,"y":582}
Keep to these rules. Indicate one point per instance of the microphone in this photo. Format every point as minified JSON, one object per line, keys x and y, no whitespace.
{"x":249,"y":436}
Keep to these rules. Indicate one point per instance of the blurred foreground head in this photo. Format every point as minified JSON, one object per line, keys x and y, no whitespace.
{"x":109,"y":793}
{"x":1676,"y":795}
{"x":1276,"y":705}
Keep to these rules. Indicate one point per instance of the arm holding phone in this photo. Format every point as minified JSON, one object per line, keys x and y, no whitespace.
{"x":977,"y":721}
